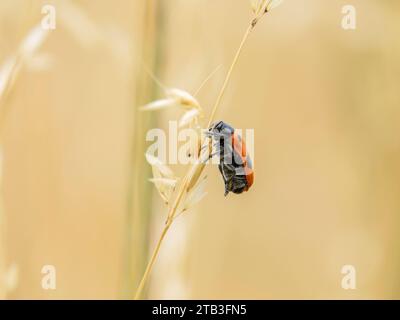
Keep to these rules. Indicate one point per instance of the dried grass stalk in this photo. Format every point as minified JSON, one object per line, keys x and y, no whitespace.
{"x":191,"y":189}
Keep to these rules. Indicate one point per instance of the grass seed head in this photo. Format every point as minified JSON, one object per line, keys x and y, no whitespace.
{"x":163,"y":178}
{"x":195,"y":195}
{"x":183,"y":98}
{"x":189,"y":118}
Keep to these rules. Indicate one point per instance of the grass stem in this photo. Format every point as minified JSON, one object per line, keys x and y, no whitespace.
{"x":229,"y":74}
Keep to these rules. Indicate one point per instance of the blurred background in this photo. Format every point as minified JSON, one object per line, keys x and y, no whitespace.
{"x":323,"y":101}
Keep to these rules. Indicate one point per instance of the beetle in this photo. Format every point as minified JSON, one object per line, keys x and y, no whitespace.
{"x":235,"y":164}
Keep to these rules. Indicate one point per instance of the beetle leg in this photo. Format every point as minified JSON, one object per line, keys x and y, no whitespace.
{"x":223,"y":174}
{"x":226,"y":191}
{"x":213,"y":134}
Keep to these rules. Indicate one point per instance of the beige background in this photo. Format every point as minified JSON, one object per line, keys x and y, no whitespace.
{"x":325,"y":107}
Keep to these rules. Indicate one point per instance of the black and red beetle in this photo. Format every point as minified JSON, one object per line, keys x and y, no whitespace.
{"x":235,"y":164}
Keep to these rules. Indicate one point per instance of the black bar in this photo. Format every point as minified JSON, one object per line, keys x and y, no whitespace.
{"x":200,"y":309}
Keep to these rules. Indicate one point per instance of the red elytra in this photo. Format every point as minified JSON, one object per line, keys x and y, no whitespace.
{"x":239,"y":147}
